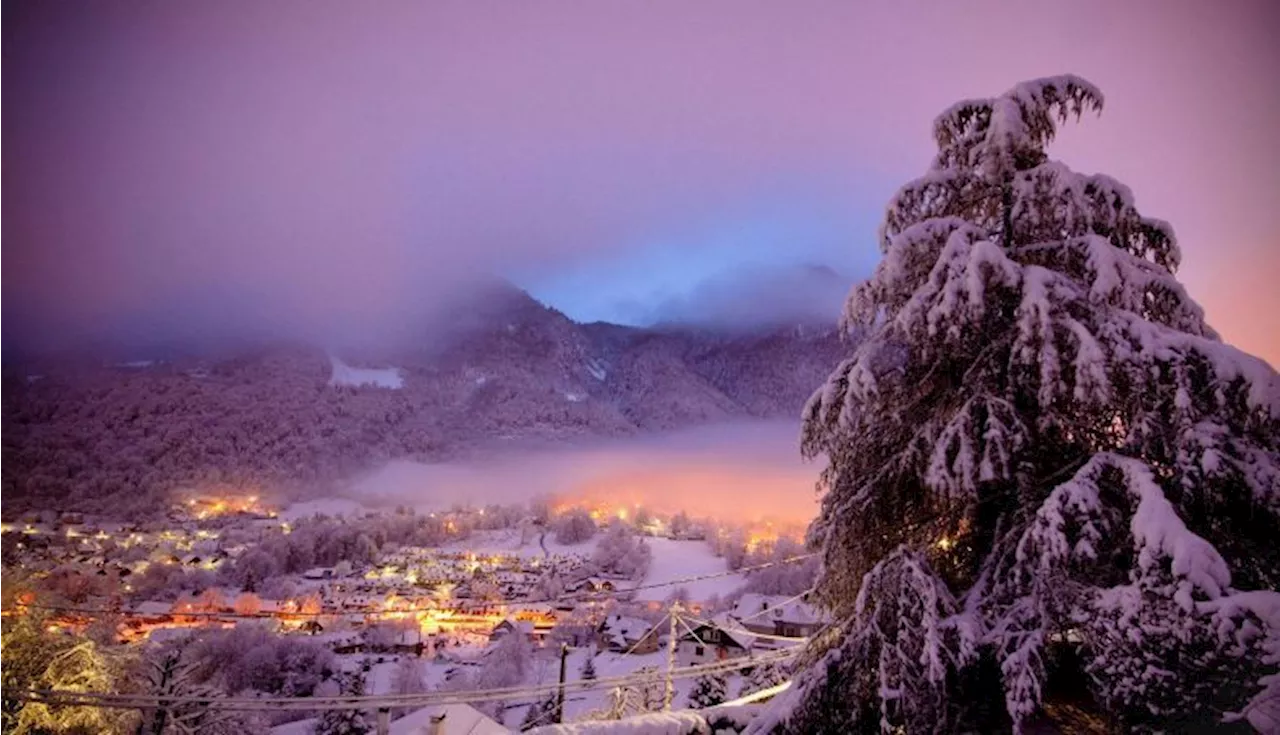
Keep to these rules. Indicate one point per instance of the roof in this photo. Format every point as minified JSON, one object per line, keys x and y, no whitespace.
{"x":459,"y":719}
{"x":650,"y":723}
{"x":153,"y":607}
{"x":768,"y":608}
{"x":729,"y":627}
{"x":619,"y":624}
{"x":523,"y":626}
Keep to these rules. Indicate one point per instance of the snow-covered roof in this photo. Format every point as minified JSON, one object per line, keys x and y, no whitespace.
{"x":684,"y":722}
{"x":459,"y":719}
{"x":627,"y":626}
{"x":757,"y":607}
{"x":730,"y":627}
{"x":522,"y":626}
{"x":153,"y":607}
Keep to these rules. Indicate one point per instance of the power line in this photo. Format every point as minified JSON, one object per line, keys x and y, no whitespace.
{"x":782,"y":604}
{"x":746,"y":632}
{"x":131,"y":701}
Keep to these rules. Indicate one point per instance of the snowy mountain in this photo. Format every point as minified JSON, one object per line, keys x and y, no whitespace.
{"x":507,"y":368}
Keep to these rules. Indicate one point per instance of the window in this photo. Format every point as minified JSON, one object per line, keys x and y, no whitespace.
{"x":699,"y":650}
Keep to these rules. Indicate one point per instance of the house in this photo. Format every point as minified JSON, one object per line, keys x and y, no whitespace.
{"x":319,"y":573}
{"x":591,"y":585}
{"x":718,"y":639}
{"x":447,"y":719}
{"x":623,"y":634}
{"x":777,"y":615}
{"x":438,"y":719}
{"x":509,"y":626}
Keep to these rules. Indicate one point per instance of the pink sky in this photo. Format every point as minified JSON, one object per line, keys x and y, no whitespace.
{"x":316,"y":166}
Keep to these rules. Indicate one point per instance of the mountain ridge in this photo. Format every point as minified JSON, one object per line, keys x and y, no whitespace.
{"x":91,"y":437}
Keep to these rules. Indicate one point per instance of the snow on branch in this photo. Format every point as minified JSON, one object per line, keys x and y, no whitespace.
{"x":990,"y":133}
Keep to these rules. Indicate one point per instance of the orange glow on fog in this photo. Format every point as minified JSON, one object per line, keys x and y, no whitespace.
{"x":214,"y":505}
{"x":741,"y":495}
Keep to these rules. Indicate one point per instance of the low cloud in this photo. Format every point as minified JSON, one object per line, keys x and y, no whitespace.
{"x":759,"y":296}
{"x":742,"y":472}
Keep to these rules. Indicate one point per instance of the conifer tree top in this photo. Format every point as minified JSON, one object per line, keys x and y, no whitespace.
{"x":1038,"y":432}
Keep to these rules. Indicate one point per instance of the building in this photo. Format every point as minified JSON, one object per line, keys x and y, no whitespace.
{"x":447,"y":719}
{"x":777,"y":615}
{"x":623,"y":634}
{"x":440,"y":719}
{"x":718,"y":639}
{"x":509,"y":626}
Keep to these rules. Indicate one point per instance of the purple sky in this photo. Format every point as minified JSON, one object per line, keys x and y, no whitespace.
{"x":324,"y":168}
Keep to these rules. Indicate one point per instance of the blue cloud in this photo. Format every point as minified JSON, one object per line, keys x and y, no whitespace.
{"x":639,"y":282}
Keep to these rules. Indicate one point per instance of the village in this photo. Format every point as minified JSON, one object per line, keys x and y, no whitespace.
{"x":446,"y":603}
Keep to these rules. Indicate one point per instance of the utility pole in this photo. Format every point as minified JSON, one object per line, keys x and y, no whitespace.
{"x":564,"y":657}
{"x":669,"y":690}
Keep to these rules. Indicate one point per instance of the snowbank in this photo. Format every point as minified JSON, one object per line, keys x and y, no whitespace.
{"x":344,"y":374}
{"x":674,"y":560}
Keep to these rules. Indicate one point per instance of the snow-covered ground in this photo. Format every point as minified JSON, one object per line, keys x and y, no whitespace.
{"x":324,"y":506}
{"x":672,"y":560}
{"x":508,"y":541}
{"x":677,"y":559}
{"x":344,"y":374}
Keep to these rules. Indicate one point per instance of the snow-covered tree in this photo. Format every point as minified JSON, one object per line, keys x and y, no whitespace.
{"x":622,"y":552}
{"x":38,"y":655}
{"x":542,"y":712}
{"x":619,"y":702}
{"x":1040,"y":459}
{"x":506,"y":663}
{"x":407,"y":678}
{"x":708,"y":691}
{"x":650,"y":689}
{"x":346,"y":721}
{"x":588,"y":670}
{"x":172,"y":673}
{"x":762,"y":677}
{"x":574,"y":526}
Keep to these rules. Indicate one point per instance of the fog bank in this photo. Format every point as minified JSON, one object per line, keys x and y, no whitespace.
{"x":740,"y":472}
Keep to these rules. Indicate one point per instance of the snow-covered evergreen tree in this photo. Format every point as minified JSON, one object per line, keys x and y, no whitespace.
{"x":1043,"y":466}
{"x":346,"y":721}
{"x":588,"y":671}
{"x":708,"y":691}
{"x":540,"y":713}
{"x":762,"y":677}
{"x":650,"y":689}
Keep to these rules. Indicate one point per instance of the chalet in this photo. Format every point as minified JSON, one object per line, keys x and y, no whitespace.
{"x":716,"y":640}
{"x":777,"y":615}
{"x":446,"y":719}
{"x":438,"y":719}
{"x":591,"y":585}
{"x":509,"y":626}
{"x":623,"y":634}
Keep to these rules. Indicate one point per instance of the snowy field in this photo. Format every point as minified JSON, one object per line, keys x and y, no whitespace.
{"x":672,"y":560}
{"x":324,"y":506}
{"x":344,"y":374}
{"x":677,"y":559}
